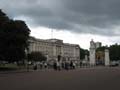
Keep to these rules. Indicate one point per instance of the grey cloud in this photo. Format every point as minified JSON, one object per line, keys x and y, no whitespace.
{"x":79,"y":16}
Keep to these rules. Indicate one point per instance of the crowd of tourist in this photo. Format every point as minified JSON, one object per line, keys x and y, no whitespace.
{"x":56,"y":65}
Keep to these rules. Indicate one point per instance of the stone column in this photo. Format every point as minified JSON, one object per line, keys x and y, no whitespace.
{"x":86,"y":58}
{"x":47,"y":57}
{"x":92,"y":53}
{"x":107,"y":58}
{"x":92,"y":57}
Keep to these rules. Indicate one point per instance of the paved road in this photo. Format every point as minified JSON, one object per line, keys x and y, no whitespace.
{"x":80,"y":79}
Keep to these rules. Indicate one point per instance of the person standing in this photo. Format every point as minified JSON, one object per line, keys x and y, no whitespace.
{"x":45,"y":65}
{"x":35,"y":66}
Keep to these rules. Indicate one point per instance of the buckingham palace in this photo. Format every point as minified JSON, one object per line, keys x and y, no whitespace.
{"x":52,"y":48}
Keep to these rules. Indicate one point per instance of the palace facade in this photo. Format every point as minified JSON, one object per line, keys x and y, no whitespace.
{"x":54,"y":48}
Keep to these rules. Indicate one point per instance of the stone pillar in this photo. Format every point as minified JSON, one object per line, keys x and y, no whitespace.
{"x":47,"y":58}
{"x":92,"y":53}
{"x":92,"y":57}
{"x":86,"y":58}
{"x":107,"y":58}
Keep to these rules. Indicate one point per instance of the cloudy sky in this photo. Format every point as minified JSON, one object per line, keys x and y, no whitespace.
{"x":74,"y":21}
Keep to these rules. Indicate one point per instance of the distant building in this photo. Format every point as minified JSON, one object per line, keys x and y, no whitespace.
{"x":54,"y":48}
{"x":98,"y":44}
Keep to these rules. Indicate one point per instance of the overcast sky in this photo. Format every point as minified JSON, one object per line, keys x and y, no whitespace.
{"x":74,"y":21}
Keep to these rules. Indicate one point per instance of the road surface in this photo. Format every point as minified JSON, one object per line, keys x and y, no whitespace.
{"x":100,"y":78}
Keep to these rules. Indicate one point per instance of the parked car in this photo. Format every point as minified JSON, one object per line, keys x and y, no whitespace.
{"x":114,"y":63}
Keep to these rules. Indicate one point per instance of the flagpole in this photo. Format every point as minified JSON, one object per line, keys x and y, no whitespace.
{"x":51,"y":33}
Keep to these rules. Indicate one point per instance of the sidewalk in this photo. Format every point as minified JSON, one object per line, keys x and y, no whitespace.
{"x":25,"y":71}
{"x":16,"y":71}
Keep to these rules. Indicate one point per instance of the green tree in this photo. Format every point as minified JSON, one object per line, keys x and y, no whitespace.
{"x":101,"y":49}
{"x":14,"y":36}
{"x":114,"y":52}
{"x":36,"y":56}
{"x":3,"y":18}
{"x":83,"y":52}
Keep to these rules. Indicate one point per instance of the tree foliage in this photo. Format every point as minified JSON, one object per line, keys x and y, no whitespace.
{"x":36,"y":56}
{"x":114,"y":52}
{"x":14,"y":35}
{"x":101,"y":49}
{"x":83,"y":52}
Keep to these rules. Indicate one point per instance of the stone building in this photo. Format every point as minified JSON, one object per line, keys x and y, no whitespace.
{"x":54,"y":48}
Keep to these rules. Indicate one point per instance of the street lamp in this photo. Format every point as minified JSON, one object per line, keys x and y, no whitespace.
{"x":26,"y":62}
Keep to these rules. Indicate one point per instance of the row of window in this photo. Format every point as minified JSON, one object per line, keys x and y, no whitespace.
{"x":48,"y":48}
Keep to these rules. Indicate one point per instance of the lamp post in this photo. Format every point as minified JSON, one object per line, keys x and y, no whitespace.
{"x":27,"y":61}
